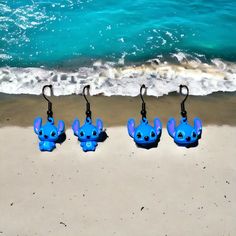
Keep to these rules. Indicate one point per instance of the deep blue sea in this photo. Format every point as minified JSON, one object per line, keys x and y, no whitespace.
{"x":78,"y":33}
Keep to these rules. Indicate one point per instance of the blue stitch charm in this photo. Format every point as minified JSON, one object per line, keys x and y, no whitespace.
{"x":184,"y":134}
{"x":48,"y":134}
{"x":145,"y":135}
{"x":89,"y":135}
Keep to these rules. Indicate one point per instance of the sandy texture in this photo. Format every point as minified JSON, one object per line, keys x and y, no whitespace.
{"x":21,"y":110}
{"x":119,"y":189}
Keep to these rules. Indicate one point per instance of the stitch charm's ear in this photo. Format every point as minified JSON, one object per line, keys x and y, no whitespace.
{"x":99,"y":124}
{"x":171,"y":127}
{"x":157,"y":125}
{"x":60,"y":127}
{"x":198,"y":126}
{"x":131,"y":127}
{"x":75,"y":127}
{"x":37,"y":124}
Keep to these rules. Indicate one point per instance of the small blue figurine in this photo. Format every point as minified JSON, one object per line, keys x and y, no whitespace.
{"x":184,"y":134}
{"x":48,"y":134}
{"x":145,"y":135}
{"x":89,"y":135}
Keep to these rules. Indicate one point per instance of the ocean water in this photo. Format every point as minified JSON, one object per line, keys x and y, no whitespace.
{"x":117,"y":45}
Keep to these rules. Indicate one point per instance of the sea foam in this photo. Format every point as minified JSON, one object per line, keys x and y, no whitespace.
{"x":110,"y":79}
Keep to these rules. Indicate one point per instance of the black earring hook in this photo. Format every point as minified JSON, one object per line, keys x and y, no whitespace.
{"x":143,"y":111}
{"x":88,"y":111}
{"x":49,"y":111}
{"x":183,"y":111}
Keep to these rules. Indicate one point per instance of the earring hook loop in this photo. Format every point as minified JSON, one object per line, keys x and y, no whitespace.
{"x":183,"y":111}
{"x":49,"y":111}
{"x":143,"y":111}
{"x":88,"y":111}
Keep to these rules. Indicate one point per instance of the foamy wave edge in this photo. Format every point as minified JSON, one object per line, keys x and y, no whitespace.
{"x":108,"y":79}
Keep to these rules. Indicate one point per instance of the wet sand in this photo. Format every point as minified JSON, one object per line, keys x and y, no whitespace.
{"x":21,"y":110}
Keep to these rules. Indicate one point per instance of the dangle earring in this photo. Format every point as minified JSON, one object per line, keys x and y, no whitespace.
{"x":48,"y":134}
{"x":185,"y":134}
{"x":89,"y":135}
{"x":145,"y":135}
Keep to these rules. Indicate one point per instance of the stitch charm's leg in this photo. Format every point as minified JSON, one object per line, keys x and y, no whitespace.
{"x":84,"y":147}
{"x":91,"y":145}
{"x":94,"y":145}
{"x":51,"y":146}
{"x":88,"y":146}
{"x":46,"y":146}
{"x":41,"y":148}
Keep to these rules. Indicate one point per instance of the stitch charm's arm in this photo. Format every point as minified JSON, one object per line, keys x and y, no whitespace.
{"x":41,"y":146}
{"x":82,"y":144}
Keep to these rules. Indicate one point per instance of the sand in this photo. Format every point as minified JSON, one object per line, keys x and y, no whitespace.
{"x":21,"y":110}
{"x":119,"y":189}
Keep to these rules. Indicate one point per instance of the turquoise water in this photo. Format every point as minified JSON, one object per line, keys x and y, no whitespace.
{"x":49,"y":33}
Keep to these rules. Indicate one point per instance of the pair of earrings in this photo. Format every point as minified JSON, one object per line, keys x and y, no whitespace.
{"x":49,"y":135}
{"x":147,"y":136}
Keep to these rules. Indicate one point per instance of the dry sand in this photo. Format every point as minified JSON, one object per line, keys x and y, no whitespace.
{"x":119,"y":189}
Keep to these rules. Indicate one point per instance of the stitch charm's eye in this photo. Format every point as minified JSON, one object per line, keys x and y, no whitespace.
{"x":139,"y":135}
{"x":153,"y":134}
{"x":40,"y":132}
{"x":94,"y":132}
{"x":180,"y":135}
{"x":194,"y":135}
{"x":81,"y":133}
{"x":53,"y":134}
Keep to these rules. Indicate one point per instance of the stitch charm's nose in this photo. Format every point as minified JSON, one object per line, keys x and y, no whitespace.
{"x":188,"y":138}
{"x":146,"y":138}
{"x":45,"y":136}
{"x":88,"y":136}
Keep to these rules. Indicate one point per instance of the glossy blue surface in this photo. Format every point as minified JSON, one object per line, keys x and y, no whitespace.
{"x":88,"y":134}
{"x":184,"y":134}
{"x":144,"y":134}
{"x":48,"y":133}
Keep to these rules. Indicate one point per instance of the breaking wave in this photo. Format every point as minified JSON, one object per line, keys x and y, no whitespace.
{"x":109,"y":79}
